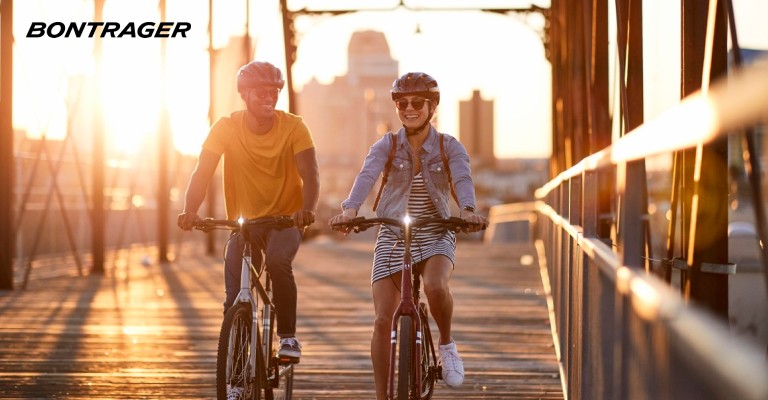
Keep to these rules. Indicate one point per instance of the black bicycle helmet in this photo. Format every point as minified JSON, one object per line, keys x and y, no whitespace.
{"x":416,"y":84}
{"x":259,"y":74}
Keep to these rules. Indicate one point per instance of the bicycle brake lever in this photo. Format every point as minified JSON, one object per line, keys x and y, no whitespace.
{"x":203,"y":225}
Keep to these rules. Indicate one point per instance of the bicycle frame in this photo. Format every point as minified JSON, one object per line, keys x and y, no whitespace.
{"x":411,"y":307}
{"x":262,"y":370}
{"x":264,"y":291}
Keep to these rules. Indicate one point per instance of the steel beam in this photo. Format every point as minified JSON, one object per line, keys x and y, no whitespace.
{"x":7,"y":233}
{"x":98,"y":215}
{"x":706,"y":193}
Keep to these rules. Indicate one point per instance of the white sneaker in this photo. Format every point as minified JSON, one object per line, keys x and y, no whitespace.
{"x":453,"y":367}
{"x":235,"y":393}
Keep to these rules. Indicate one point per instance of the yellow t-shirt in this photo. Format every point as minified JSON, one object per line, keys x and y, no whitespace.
{"x":259,"y":171}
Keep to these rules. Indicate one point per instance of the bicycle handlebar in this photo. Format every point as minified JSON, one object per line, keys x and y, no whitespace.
{"x":359,"y":224}
{"x":278,"y":221}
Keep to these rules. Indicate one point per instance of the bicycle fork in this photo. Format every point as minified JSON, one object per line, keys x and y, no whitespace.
{"x":406,"y":307}
{"x":245,"y":296}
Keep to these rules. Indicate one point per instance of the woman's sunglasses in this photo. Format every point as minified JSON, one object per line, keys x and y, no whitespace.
{"x":417,"y":104}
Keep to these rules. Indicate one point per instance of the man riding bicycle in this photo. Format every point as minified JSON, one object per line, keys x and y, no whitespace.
{"x":270,"y":169}
{"x":417,"y":163}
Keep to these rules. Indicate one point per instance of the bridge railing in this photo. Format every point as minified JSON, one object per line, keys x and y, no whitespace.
{"x":623,"y":333}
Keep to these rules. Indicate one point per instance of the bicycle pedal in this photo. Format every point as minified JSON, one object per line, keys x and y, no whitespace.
{"x":288,"y":360}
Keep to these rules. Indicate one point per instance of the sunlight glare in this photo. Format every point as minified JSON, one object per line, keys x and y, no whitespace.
{"x":130,"y":79}
{"x":47,"y":72}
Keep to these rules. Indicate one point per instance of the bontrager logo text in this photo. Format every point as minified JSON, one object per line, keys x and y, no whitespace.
{"x":109,"y":29}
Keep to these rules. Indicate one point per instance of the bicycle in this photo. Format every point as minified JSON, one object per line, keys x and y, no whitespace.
{"x":244,"y":359}
{"x":412,"y":353}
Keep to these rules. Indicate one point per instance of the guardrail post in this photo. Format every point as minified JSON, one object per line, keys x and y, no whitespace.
{"x":8,"y":232}
{"x":575,"y":200}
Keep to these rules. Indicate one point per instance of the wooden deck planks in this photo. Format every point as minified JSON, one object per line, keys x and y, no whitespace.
{"x":146,"y":332}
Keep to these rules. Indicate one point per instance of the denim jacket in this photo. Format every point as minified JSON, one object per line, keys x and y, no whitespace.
{"x":394,"y":197}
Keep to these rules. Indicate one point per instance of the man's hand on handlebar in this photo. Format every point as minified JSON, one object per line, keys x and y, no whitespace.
{"x":187,"y":220}
{"x":303,"y":218}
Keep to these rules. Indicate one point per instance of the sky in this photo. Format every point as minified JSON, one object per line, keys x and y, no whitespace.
{"x":500,"y":55}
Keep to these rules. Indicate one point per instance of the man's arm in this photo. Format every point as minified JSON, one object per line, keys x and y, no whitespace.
{"x":306,"y":164}
{"x":197,"y":187}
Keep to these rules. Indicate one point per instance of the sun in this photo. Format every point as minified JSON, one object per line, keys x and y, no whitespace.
{"x":57,"y":90}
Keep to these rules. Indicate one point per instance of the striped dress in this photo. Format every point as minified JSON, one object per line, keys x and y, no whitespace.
{"x":426,"y":242}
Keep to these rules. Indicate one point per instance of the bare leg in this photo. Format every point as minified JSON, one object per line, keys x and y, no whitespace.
{"x":436,"y":277}
{"x":386,"y":297}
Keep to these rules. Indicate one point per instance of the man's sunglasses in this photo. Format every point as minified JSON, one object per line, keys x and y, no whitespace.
{"x":264,"y":93}
{"x":417,"y":104}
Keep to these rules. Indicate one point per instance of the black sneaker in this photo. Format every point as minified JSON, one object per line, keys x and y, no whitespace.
{"x":290,"y":350}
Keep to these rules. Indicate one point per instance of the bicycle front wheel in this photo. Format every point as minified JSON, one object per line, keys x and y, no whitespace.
{"x":405,"y":346}
{"x":233,"y":368}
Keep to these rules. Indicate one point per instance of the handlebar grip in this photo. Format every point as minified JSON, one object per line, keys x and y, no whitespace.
{"x":357,"y":224}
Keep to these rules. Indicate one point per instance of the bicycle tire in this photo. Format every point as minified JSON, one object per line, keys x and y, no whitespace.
{"x":405,"y":345}
{"x":428,"y":357}
{"x":280,"y":386}
{"x":284,"y":390}
{"x":233,"y":353}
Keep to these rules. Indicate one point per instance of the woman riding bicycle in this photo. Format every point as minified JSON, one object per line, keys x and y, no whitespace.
{"x":418,"y":185}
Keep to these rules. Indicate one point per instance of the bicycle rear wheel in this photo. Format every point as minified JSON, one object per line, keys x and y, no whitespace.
{"x":428,"y":357}
{"x":233,"y":370}
{"x":405,"y":345}
{"x":280,"y":378}
{"x":283,"y":389}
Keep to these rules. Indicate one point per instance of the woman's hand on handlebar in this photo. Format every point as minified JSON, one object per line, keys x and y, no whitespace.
{"x":187,"y":220}
{"x":478,"y":222}
{"x":344,"y":217}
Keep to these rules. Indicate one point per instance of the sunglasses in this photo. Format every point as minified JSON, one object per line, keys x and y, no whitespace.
{"x":265,"y":93}
{"x":417,"y":104}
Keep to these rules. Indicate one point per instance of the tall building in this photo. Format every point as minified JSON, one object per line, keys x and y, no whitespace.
{"x":476,"y":130}
{"x":348,"y":115}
